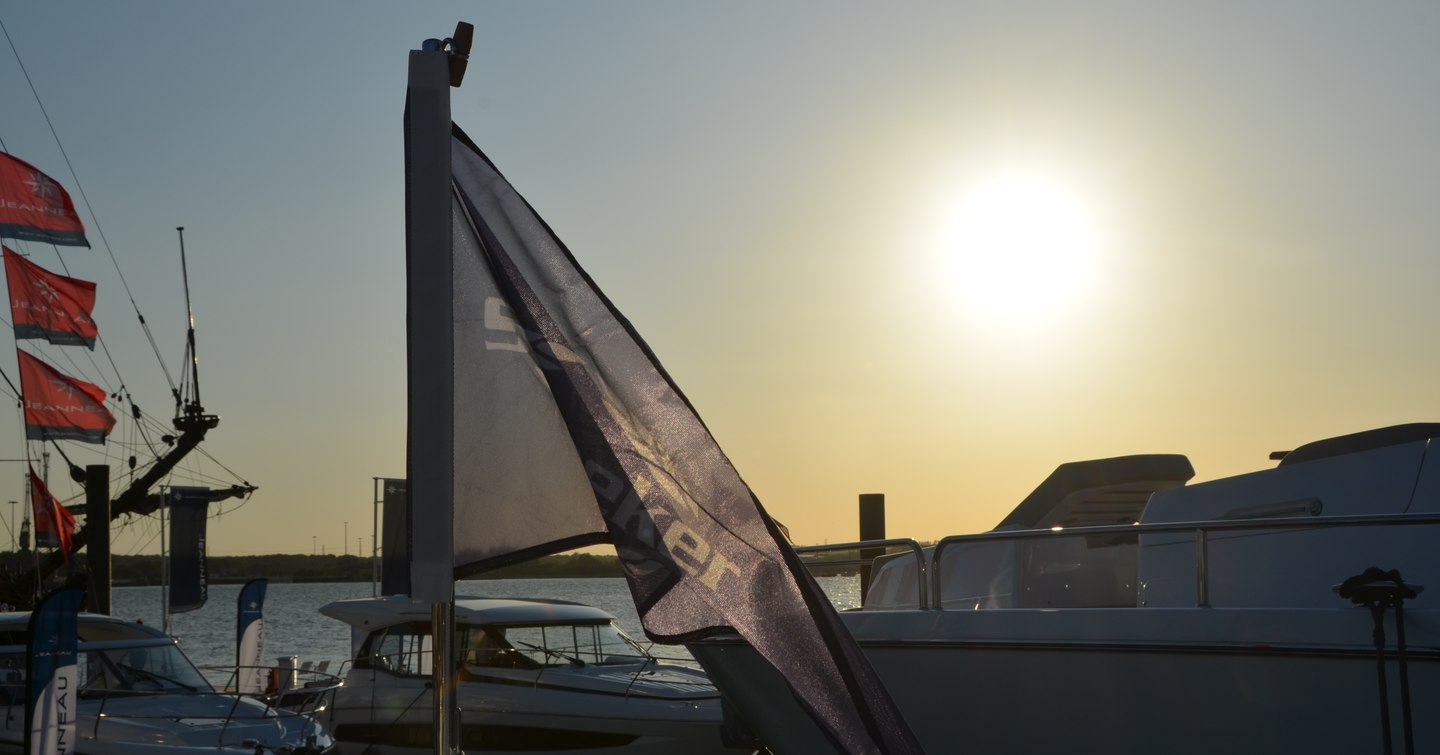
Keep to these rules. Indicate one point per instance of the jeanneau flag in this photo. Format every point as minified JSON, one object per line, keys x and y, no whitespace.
{"x":54,"y":524}
{"x":33,"y":207}
{"x":540,"y":421}
{"x":59,"y":407}
{"x":48,"y":305}
{"x":250,"y":671}
{"x":51,"y":700}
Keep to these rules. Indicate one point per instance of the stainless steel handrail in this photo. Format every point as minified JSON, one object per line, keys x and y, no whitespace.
{"x":931,"y":597}
{"x":914,"y":547}
{"x":1200,"y":529}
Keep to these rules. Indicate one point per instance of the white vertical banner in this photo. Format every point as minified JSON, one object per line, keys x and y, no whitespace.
{"x":250,"y":671}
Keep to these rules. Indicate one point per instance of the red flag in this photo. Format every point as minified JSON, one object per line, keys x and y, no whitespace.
{"x":59,"y":407}
{"x":48,"y":305}
{"x":35,"y":208}
{"x":53,"y":522}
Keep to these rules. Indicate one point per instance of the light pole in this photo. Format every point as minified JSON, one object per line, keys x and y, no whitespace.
{"x":13,"y":504}
{"x":312,"y":545}
{"x":345,"y":542}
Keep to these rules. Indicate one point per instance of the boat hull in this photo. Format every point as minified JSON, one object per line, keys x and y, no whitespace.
{"x":393,"y":716}
{"x":1045,"y":681}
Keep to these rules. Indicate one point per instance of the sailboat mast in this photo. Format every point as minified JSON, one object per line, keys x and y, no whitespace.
{"x":190,"y":334}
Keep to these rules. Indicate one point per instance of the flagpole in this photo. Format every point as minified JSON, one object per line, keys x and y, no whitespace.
{"x":375,"y":488}
{"x":164,"y":569}
{"x":430,"y":458}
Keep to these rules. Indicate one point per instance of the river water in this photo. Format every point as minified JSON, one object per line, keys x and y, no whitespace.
{"x":294,"y":625}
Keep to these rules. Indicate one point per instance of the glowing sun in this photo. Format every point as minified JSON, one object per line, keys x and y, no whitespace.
{"x":1021,"y":246}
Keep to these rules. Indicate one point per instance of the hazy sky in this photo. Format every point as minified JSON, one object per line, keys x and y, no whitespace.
{"x":1244,"y":198}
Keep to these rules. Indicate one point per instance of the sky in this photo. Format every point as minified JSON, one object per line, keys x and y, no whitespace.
{"x":930,"y":250}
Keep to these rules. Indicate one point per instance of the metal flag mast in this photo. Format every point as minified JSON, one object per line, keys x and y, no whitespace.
{"x":434,"y":69}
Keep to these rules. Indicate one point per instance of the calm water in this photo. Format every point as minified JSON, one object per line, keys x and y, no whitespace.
{"x":294,"y":625}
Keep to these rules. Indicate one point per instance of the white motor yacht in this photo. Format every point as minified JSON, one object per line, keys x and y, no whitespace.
{"x":534,"y":676}
{"x":1119,"y":610}
{"x":140,"y":695}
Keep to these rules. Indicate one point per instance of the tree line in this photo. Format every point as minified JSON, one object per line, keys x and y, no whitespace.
{"x":281,"y":567}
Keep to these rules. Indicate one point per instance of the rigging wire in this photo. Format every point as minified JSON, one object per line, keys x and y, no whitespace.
{"x":138,"y":423}
{"x":94,"y":219}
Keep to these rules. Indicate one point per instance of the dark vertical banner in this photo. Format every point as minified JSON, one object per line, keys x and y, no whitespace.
{"x":250,"y":638}
{"x":189,"y":508}
{"x":51,"y":701}
{"x":395,"y":540}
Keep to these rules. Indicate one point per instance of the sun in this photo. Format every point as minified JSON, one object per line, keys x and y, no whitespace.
{"x":1021,"y":246}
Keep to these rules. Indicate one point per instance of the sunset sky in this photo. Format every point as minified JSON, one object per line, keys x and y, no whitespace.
{"x":931,"y":250}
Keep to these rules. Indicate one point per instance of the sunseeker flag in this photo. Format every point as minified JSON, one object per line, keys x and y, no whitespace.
{"x":59,"y":407}
{"x":33,"y":207}
{"x":250,"y":638}
{"x":49,"y":306}
{"x":51,"y":701}
{"x":563,"y":429}
{"x":54,"y":524}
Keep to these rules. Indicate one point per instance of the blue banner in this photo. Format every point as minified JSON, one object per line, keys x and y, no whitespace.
{"x":189,"y":508}
{"x":51,"y":700}
{"x":250,"y":638}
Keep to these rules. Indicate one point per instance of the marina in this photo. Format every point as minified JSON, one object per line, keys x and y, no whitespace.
{"x":934,"y":251}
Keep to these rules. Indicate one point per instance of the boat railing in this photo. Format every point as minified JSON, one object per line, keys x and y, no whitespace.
{"x":868,"y":551}
{"x":299,"y":690}
{"x":931,"y":587}
{"x":1200,"y":530}
{"x":104,"y":696}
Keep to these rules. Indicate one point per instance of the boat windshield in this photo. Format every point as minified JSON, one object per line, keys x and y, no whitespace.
{"x":548,"y":645}
{"x":153,"y":666}
{"x":159,"y":667}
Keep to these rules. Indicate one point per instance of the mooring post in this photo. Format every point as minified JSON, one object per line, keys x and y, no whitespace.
{"x":872,"y":527}
{"x":97,"y":509}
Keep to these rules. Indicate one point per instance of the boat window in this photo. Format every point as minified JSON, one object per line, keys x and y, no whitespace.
{"x":487,"y":647}
{"x":557,"y":645}
{"x":401,"y":649}
{"x":156,"y":668}
{"x":12,"y":678}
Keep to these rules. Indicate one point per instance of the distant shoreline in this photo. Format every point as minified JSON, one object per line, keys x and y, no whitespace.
{"x":142,"y":571}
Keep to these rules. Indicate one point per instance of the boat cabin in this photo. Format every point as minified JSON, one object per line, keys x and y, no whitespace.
{"x":394,"y":634}
{"x":1067,"y":545}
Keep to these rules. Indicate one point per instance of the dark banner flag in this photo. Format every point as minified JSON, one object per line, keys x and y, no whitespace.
{"x":49,"y":306}
{"x":395,"y":539}
{"x":51,"y":699}
{"x":189,"y":508}
{"x":59,"y":407}
{"x":54,"y":524}
{"x":33,"y":207}
{"x":250,"y":671}
{"x":564,"y":429}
